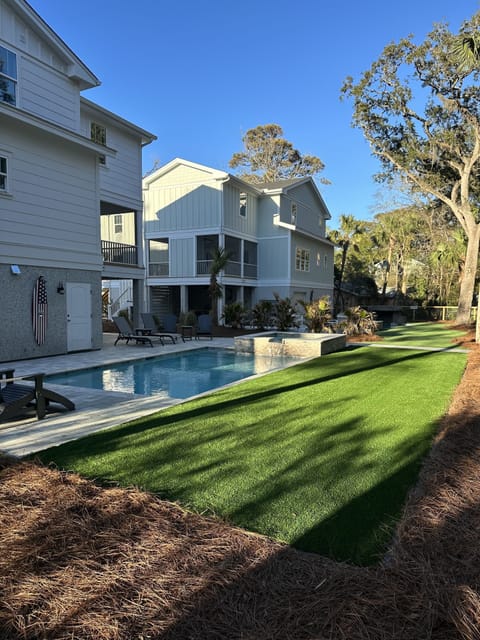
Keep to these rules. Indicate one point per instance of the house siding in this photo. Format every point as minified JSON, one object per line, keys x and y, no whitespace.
{"x":52,"y":215}
{"x":171,"y":205}
{"x":47,"y":94}
{"x":120,"y":179}
{"x":182,"y":257}
{"x":44,"y":88}
{"x":232,"y":220}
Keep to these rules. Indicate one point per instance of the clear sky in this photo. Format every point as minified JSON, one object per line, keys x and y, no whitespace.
{"x":200,"y":73}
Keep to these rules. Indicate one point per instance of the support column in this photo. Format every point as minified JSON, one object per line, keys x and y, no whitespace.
{"x":184,"y":298}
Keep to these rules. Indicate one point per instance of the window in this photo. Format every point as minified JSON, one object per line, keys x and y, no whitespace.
{"x":158,"y":260}
{"x":233,"y":246}
{"x":3,"y":174}
{"x":293,"y":213}
{"x":249,"y":259}
{"x":302,"y":259}
{"x":8,"y":76}
{"x":118,"y":223}
{"x":243,"y":205}
{"x":319,"y":259}
{"x":98,"y":133}
{"x":206,"y":246}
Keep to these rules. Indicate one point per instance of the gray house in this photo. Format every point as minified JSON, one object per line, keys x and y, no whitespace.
{"x":275,"y":234}
{"x":64,"y":163}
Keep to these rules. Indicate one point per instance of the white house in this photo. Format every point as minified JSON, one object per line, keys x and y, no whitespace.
{"x":65,"y":162}
{"x":275,"y":234}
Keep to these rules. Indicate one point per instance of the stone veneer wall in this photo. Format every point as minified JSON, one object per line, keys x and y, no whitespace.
{"x":16,"y":335}
{"x":302,"y":345}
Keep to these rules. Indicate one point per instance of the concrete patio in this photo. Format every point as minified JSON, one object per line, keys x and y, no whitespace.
{"x":95,"y":409}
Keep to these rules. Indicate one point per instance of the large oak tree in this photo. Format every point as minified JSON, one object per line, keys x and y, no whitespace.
{"x":268,"y":157}
{"x":419,"y":108}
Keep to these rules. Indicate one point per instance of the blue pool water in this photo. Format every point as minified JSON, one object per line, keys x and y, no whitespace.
{"x":178,"y":375}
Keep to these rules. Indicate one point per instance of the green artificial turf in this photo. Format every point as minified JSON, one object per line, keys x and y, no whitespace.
{"x":320,"y":455}
{"x":422,"y":334}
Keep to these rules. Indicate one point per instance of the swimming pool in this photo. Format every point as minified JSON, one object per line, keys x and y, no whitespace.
{"x":179,"y":375}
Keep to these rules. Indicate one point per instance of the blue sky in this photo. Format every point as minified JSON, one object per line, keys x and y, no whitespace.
{"x":200,"y":73}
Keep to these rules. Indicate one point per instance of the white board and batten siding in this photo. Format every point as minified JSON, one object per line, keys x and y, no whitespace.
{"x":182,"y":207}
{"x":50,"y":218}
{"x":232,"y":220}
{"x":182,"y":257}
{"x":311,"y":211}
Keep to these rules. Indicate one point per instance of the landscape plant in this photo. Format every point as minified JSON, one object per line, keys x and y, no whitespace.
{"x":359,"y":322}
{"x":318,"y":314}
{"x":284,"y":313}
{"x":262,"y":314}
{"x":233,"y":314}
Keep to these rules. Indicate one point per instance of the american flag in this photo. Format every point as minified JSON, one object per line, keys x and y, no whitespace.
{"x":40,"y":310}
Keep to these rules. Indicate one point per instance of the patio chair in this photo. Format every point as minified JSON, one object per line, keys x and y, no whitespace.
{"x":125,"y":332}
{"x":19,"y":400}
{"x":151,"y":326}
{"x":204,"y":327}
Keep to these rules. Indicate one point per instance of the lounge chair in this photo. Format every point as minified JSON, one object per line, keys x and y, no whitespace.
{"x":204,"y":327}
{"x":150,"y":326}
{"x":18,"y":400}
{"x":125,"y":332}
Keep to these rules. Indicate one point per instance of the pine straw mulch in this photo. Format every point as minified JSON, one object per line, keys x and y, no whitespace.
{"x":79,"y":561}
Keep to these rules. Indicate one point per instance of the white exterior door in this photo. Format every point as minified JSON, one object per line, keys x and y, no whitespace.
{"x":79,"y":316}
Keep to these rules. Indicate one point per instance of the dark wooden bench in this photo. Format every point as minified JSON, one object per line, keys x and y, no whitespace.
{"x":19,"y":399}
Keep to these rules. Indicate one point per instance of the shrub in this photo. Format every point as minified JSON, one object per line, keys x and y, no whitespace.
{"x":317,"y":314}
{"x":284,"y":313}
{"x":262,"y":314}
{"x":233,"y":314}
{"x":359,"y":322}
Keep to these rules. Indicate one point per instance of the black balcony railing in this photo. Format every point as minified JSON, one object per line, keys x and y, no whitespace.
{"x":119,"y":253}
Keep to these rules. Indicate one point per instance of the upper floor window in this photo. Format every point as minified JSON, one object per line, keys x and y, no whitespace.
{"x":302,"y":259}
{"x":293,"y":213}
{"x":118,"y":223}
{"x":98,"y":133}
{"x":8,"y":76}
{"x":3,"y":174}
{"x":243,"y":205}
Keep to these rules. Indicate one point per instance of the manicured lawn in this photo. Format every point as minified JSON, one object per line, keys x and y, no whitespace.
{"x":422,"y":334}
{"x":320,"y":455}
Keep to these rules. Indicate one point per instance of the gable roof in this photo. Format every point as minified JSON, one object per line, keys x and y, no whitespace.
{"x":77,"y":69}
{"x":284,"y":186}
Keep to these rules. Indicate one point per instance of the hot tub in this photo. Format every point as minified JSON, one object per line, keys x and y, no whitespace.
{"x":285,"y":343}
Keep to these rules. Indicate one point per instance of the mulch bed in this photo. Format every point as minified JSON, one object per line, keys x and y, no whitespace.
{"x":80,"y":561}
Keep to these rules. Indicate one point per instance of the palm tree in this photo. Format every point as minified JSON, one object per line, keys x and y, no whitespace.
{"x":344,"y":238}
{"x":466,"y":51}
{"x":220,"y":258}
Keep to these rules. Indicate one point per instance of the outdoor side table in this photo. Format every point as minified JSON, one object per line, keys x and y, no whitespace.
{"x":187,"y":332}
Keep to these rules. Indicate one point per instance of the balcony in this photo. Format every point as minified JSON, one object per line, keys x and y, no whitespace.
{"x":249,"y":270}
{"x":119,"y":253}
{"x":203,"y":267}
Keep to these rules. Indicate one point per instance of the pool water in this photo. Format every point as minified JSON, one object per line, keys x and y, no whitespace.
{"x":178,"y":375}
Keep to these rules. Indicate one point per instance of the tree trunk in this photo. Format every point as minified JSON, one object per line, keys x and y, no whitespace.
{"x":468,"y":282}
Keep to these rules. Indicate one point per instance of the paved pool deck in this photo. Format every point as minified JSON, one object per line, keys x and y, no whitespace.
{"x":95,"y":410}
